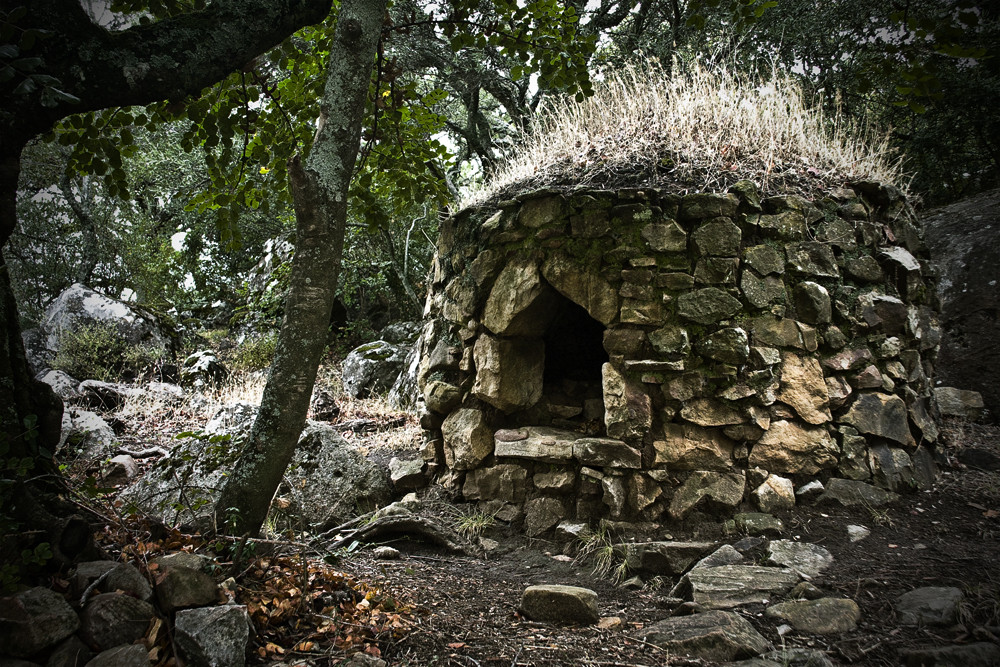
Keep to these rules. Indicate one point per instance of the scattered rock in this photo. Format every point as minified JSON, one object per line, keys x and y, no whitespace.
{"x":959,"y":403}
{"x":729,"y":586}
{"x":203,"y":369}
{"x":181,"y":587}
{"x":79,"y":306}
{"x":386,"y":553}
{"x":931,"y":605}
{"x":86,"y":434}
{"x":34,"y":620}
{"x":776,"y":493}
{"x":825,"y":616}
{"x":213,"y":636}
{"x":848,"y":492}
{"x":133,"y":655}
{"x":758,"y":523}
{"x":664,"y":558}
{"x":857,"y":533}
{"x":113,"y":619}
{"x":803,"y":557}
{"x":406,"y":474}
{"x":372,"y":368}
{"x":560,"y":604}
{"x":712,"y":635}
{"x":116,"y":577}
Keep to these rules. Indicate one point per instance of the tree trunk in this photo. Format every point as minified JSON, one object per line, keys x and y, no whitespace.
{"x":319,"y":190}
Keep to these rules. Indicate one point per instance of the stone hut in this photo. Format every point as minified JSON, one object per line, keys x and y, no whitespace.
{"x":637,"y":354}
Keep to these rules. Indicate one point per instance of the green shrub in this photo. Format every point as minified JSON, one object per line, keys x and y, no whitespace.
{"x":255,"y":353}
{"x":99,"y":352}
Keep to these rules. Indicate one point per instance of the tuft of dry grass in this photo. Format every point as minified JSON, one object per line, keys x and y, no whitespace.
{"x":698,"y":131}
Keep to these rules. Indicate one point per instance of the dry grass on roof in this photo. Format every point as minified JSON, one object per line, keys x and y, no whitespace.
{"x":697,"y":132}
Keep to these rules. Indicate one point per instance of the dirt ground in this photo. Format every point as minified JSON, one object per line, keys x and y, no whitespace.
{"x":462,"y":610}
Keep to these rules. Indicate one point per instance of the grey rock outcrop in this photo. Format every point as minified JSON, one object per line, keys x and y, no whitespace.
{"x":372,"y":368}
{"x":78,"y":306}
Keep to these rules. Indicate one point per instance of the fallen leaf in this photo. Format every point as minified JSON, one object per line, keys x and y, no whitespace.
{"x":991,"y":514}
{"x":456,"y":645}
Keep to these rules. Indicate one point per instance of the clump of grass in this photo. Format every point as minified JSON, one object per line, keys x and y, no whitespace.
{"x":99,"y":352}
{"x":702,"y":130}
{"x":598,"y":546}
{"x":473,"y":524}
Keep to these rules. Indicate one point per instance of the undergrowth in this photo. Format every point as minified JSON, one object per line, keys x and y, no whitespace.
{"x":701,"y":130}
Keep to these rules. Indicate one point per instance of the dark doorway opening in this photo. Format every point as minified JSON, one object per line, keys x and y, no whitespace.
{"x":574,"y":355}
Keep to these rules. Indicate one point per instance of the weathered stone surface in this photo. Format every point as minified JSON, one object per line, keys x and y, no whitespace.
{"x":812,"y":259}
{"x":71,"y":652}
{"x":724,"y":555}
{"x":540,"y":443}
{"x":865,"y":269}
{"x":628,"y":409}
{"x":713,"y":635}
{"x":468,"y":439}
{"x":406,"y":474}
{"x":542,"y":515}
{"x":730,"y":346}
{"x":808,"y":559}
{"x":62,"y":383}
{"x":812,"y":303}
{"x":776,"y":493}
{"x":758,"y":523}
{"x":119,"y":470}
{"x":892,"y":468}
{"x":372,"y":368}
{"x":704,"y":487}
{"x":764,"y":259}
{"x":584,"y":287}
{"x":707,"y":305}
{"x":508,"y":372}
{"x":670,"y":341}
{"x":35,"y":620}
{"x":853,"y":455}
{"x":762,"y":292}
{"x":615,"y":495}
{"x":441,"y":397}
{"x":689,"y":447}
{"x":79,"y":306}
{"x":86,"y":434}
{"x":825,"y":616}
{"x":108,"y":395}
{"x":507,"y":482}
{"x":710,"y":412}
{"x":704,"y":205}
{"x":838,"y":390}
{"x":850,"y":493}
{"x":959,"y":403}
{"x":795,"y":657}
{"x":664,"y":558}
{"x":717,"y":237}
{"x":665,"y":237}
{"x":558,"y":481}
{"x":850,"y":359}
{"x":789,"y":447}
{"x":857,"y":533}
{"x":884,"y":415}
{"x":930,"y":605}
{"x":978,"y":654}
{"x":643,"y":490}
{"x":606,"y":452}
{"x":133,"y":655}
{"x":803,"y":388}
{"x":519,"y":301}
{"x":540,"y":211}
{"x":112,"y":619}
{"x":124,"y":577}
{"x":213,"y":636}
{"x":560,"y":604}
{"x":730,"y":586}
{"x":783,"y":332}
{"x":182,"y":587}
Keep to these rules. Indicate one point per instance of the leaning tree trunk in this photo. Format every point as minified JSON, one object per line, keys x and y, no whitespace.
{"x":319,"y":190}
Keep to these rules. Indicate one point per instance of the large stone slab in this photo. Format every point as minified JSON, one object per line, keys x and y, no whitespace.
{"x":803,"y":557}
{"x":930,"y":605}
{"x":553,"y":603}
{"x":730,"y":586}
{"x":884,"y":415}
{"x":539,"y":443}
{"x":507,"y":482}
{"x":705,"y":487}
{"x":519,"y":303}
{"x":690,"y":447}
{"x":508,"y":371}
{"x":803,"y":388}
{"x":789,"y":447}
{"x":606,"y":452}
{"x":468,"y":439}
{"x":713,"y":635}
{"x":664,"y":558}
{"x":825,"y":616}
{"x":582,"y":286}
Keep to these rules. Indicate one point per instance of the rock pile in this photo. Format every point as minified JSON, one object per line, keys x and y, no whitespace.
{"x":636,"y":354}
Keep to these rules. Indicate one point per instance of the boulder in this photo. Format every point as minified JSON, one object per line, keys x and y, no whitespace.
{"x":930,"y":605}
{"x":405,"y":391}
{"x":468,"y":440}
{"x":34,"y":620}
{"x":113,"y":619}
{"x":87,"y":435}
{"x":108,"y":395}
{"x":883,"y":415}
{"x":372,"y":368}
{"x":959,"y":403}
{"x":825,"y":616}
{"x":133,"y":655}
{"x":713,"y":635}
{"x":663,"y":558}
{"x":807,"y":559}
{"x":776,"y":493}
{"x":508,"y":372}
{"x":203,"y":369}
{"x":789,"y":447}
{"x":730,"y":586}
{"x":79,"y":306}
{"x":964,"y":240}
{"x":179,"y":587}
{"x":708,"y":488}
{"x":116,"y":577}
{"x":328,"y":479}
{"x":65,"y":386}
{"x":119,"y":470}
{"x":213,"y":636}
{"x":560,"y":604}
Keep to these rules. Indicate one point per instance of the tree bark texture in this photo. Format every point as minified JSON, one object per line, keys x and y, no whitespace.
{"x":319,"y":190}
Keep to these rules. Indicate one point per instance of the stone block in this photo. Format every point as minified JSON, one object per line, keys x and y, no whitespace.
{"x":606,"y":453}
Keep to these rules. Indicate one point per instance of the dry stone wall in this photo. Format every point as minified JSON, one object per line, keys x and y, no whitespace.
{"x":636,"y":354}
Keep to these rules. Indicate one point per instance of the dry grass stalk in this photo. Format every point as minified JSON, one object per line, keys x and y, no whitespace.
{"x":701,"y":131}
